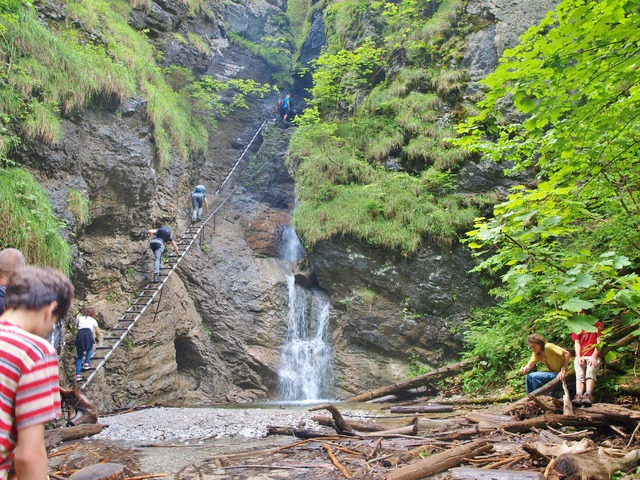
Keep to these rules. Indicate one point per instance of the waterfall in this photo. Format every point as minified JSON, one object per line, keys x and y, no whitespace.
{"x":305,"y":372}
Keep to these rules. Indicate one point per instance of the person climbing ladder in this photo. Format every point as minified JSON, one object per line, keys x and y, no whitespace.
{"x":160,"y":236}
{"x":198,"y":200}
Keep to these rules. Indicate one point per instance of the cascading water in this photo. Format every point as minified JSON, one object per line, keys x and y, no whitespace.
{"x":305,"y":367}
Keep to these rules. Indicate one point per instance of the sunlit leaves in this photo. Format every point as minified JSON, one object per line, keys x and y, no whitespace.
{"x":575,"y":80}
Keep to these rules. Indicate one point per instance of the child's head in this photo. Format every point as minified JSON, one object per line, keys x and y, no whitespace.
{"x":34,"y":288}
{"x":10,"y":260}
{"x":88,"y":311}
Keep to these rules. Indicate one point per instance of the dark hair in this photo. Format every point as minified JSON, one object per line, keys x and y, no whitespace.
{"x":88,"y":311}
{"x":34,"y":287}
{"x":537,"y":338}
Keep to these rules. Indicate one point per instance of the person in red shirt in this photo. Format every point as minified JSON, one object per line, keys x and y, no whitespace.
{"x":587,"y":363}
{"x":29,"y":380}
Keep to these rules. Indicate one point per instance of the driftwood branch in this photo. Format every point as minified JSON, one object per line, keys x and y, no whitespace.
{"x":341,"y":425}
{"x":335,"y":461}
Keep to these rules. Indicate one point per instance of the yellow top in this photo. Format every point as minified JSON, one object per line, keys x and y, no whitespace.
{"x":551,"y":356}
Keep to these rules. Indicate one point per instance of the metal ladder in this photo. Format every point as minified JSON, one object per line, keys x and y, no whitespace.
{"x":116,"y":335}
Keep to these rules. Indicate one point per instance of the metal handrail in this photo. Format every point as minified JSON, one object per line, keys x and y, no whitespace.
{"x":149,"y":293}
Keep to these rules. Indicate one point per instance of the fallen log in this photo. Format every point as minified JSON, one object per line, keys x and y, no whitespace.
{"x":593,"y":465}
{"x":486,"y":419}
{"x":100,"y":471}
{"x":465,"y":473}
{"x":297,"y":432}
{"x":408,"y":430}
{"x":521,"y":426}
{"x":439,"y":462}
{"x":340,"y":424}
{"x":355,"y":424}
{"x":59,"y":435}
{"x":444,"y":372}
{"x":423,"y":409}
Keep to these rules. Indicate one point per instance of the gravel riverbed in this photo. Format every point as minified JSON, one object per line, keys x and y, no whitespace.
{"x":196,"y":425}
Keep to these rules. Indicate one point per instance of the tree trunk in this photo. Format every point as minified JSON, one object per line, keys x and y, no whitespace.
{"x":440,"y":461}
{"x":423,"y":409}
{"x":444,"y":372}
{"x":59,"y":435}
{"x":408,"y":430}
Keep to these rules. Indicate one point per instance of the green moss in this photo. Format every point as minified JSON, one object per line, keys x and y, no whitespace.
{"x":28,"y":221}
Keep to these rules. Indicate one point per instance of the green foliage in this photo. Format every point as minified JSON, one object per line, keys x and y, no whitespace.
{"x":207,"y":329}
{"x":297,"y":13}
{"x":417,"y":366}
{"x":28,"y":221}
{"x":499,"y":336}
{"x":341,"y":77}
{"x":78,"y":203}
{"x":377,"y":105}
{"x":52,"y":70}
{"x":342,"y":194}
{"x":574,"y":238}
{"x":272,"y":50}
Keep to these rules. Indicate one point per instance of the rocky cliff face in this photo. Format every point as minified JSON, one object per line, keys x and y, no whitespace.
{"x":216,"y":332}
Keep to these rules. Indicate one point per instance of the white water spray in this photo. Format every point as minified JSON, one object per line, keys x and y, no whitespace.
{"x":306,"y":371}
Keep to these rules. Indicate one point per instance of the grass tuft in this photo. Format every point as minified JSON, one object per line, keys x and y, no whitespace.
{"x":28,"y":221}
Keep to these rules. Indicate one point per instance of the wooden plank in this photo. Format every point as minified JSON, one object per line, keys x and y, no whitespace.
{"x":465,"y":473}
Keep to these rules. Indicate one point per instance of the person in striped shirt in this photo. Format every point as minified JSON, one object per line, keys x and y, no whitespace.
{"x":29,"y":381}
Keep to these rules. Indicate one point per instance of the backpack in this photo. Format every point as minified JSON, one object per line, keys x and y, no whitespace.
{"x":200,"y":189}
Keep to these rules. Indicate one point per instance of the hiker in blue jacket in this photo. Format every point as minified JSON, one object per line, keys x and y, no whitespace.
{"x":286,"y":107}
{"x":160,"y":236}
{"x":198,"y":200}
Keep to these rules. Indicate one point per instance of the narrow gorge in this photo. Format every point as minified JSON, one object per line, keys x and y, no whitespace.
{"x":222,"y":331}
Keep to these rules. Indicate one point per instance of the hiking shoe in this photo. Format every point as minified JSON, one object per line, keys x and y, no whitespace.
{"x":577,"y":400}
{"x":587,"y":400}
{"x":155,"y":278}
{"x":78,"y":378}
{"x":86,"y":367}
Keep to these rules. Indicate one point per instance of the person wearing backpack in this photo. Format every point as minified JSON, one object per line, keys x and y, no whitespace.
{"x":286,"y":107}
{"x":159,"y":237}
{"x":198,"y":200}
